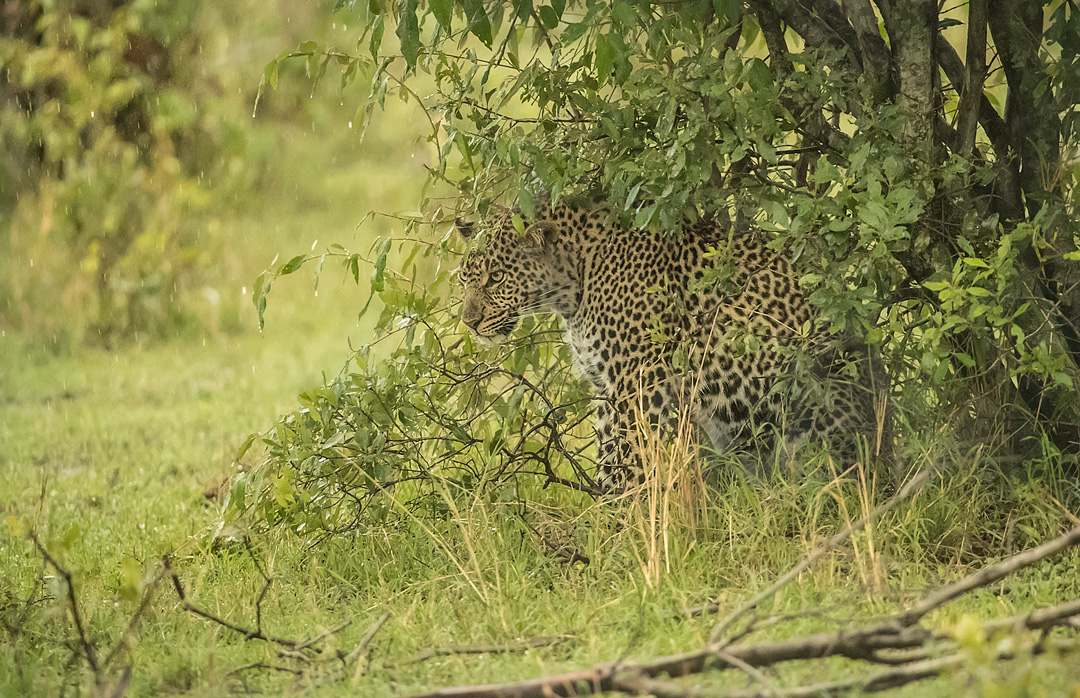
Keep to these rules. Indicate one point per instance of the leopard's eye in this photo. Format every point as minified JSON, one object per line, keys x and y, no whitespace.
{"x":495,"y":277}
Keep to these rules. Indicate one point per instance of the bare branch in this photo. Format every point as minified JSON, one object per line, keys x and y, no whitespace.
{"x":247,"y":633}
{"x":812,"y":122}
{"x":85,"y":642}
{"x":989,"y":119}
{"x":912,"y":27}
{"x":876,"y":60}
{"x":988,"y":575}
{"x":972,"y":92}
{"x":519,"y":646}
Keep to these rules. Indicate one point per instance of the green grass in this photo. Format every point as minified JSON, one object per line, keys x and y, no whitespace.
{"x":115,"y":459}
{"x":109,"y":456}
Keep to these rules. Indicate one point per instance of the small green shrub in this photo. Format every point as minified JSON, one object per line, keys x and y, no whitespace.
{"x":416,"y":415}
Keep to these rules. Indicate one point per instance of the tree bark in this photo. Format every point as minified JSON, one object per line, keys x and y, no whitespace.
{"x":912,"y":26}
{"x":876,"y":60}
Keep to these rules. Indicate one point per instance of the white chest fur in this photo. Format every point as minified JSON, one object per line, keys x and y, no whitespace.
{"x":587,"y":359}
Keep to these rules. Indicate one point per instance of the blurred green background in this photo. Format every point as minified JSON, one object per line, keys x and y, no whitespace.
{"x":141,"y":191}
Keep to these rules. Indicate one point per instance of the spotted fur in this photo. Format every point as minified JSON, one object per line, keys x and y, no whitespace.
{"x":629,"y":300}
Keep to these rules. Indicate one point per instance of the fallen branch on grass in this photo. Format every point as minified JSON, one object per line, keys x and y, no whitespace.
{"x":304,"y":650}
{"x":506,"y":648}
{"x":881,"y":643}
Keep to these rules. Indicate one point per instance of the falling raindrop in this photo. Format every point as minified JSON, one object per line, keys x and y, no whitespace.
{"x":350,"y":124}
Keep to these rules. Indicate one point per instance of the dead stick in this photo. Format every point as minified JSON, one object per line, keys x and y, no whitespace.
{"x":372,"y":630}
{"x":247,"y":633}
{"x":520,"y":646}
{"x":987,"y":576}
{"x":906,"y":491}
{"x":306,"y":644}
{"x":893,"y":678}
{"x":144,"y":603}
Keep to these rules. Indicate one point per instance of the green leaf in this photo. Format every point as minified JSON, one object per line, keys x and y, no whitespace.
{"x":522,"y":8}
{"x":378,"y":277}
{"x":375,"y":42}
{"x":573,"y":32}
{"x":353,"y":265}
{"x":548,"y":17}
{"x":758,"y":74}
{"x":479,"y":24}
{"x":625,"y":15}
{"x":270,"y":73}
{"x":525,"y":201}
{"x":408,"y":32}
{"x":728,"y":9}
{"x":258,"y":296}
{"x":244,"y":447}
{"x":292,"y":265}
{"x":604,"y":57}
{"x":443,"y":11}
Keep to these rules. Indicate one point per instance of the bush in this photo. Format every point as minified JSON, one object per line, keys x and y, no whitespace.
{"x":922,"y":219}
{"x":419,"y":424}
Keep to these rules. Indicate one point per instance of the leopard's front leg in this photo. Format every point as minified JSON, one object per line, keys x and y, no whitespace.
{"x":620,"y":462}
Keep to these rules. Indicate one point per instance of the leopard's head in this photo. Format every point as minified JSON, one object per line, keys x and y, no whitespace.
{"x":504,"y":277}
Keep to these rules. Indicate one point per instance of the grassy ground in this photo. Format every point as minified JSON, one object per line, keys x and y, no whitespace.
{"x":114,"y":459}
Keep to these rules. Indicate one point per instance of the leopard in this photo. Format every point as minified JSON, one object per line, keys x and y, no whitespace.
{"x":707,"y":323}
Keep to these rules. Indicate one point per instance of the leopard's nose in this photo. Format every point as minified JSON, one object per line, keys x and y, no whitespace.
{"x":471,"y":314}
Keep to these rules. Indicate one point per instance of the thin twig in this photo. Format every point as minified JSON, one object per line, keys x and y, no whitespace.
{"x":264,"y":665}
{"x":519,"y":646}
{"x":369,"y":635}
{"x":144,"y":603}
{"x":247,"y":633}
{"x":322,"y":636}
{"x":84,"y":639}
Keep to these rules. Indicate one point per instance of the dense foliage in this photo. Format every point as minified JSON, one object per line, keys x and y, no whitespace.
{"x":925,"y":216}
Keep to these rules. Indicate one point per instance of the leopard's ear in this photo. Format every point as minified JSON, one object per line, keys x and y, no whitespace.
{"x":539,"y":234}
{"x":464,"y":228}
